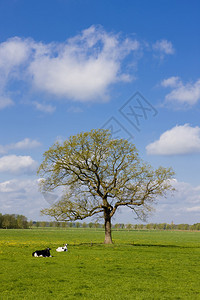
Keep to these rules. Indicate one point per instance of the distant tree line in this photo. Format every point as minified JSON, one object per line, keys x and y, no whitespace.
{"x":66,"y":224}
{"x":13,"y":221}
{"x":160,"y":226}
{"x":118,"y":226}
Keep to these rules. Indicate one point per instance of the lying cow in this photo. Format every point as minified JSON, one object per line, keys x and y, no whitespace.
{"x":42,"y":253}
{"x":61,"y":249}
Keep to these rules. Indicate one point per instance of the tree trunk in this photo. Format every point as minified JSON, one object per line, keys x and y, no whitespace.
{"x":108,"y":236}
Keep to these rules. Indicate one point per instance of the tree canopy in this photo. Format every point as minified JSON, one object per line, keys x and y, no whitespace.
{"x":100,"y":174}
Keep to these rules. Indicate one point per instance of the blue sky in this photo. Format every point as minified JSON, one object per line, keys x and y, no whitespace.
{"x":73,"y":65}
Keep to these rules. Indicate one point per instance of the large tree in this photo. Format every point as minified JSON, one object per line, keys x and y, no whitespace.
{"x":99,"y":175}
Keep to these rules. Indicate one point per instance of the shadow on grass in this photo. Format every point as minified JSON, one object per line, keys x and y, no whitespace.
{"x":91,"y":244}
{"x":163,"y":245}
{"x":157,"y":245}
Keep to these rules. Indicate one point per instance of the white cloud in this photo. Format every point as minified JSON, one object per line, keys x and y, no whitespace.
{"x":13,"y":53}
{"x":188,"y":93}
{"x":17,"y":164}
{"x":24,"y":144}
{"x":181,"y":139}
{"x":163,"y":47}
{"x":22,"y":197}
{"x":173,"y":81}
{"x":193,"y":209}
{"x":46,"y":108}
{"x":182,"y":207}
{"x":13,"y":186}
{"x":82,"y":68}
{"x":5,"y":102}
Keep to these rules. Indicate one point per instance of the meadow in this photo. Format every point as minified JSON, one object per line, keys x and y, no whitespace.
{"x":139,"y":265}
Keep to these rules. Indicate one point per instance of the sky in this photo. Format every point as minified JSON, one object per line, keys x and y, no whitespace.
{"x":68,"y":66}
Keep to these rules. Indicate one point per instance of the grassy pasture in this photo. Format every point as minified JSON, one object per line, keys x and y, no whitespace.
{"x":140,"y":265}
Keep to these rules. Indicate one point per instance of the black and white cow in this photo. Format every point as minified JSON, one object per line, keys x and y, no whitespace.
{"x":61,"y":249}
{"x":42,"y":253}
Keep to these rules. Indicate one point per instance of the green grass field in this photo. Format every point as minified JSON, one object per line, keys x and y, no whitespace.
{"x":139,"y":265}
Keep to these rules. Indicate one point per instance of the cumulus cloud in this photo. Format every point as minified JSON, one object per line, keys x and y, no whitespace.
{"x":171,"y":82}
{"x":13,"y":53}
{"x":181,"y":139}
{"x":21,"y":145}
{"x":17,"y":164}
{"x":188,"y":93}
{"x":22,"y":197}
{"x":46,"y":108}
{"x":82,"y":68}
{"x":5,"y":102}
{"x":26,"y":144}
{"x":15,"y":185}
{"x":183,"y":207}
{"x":193,"y":209}
{"x":163,"y":47}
